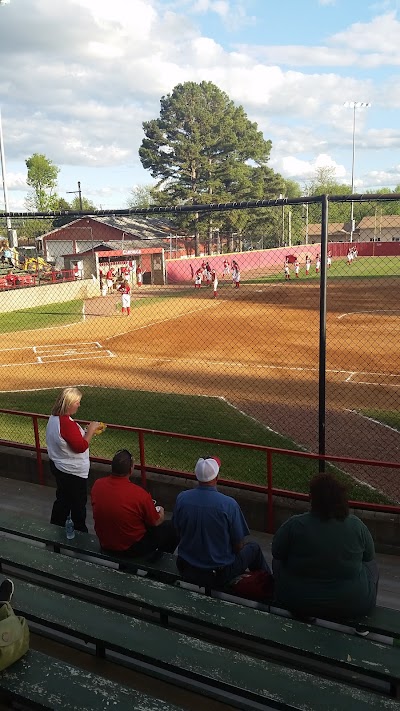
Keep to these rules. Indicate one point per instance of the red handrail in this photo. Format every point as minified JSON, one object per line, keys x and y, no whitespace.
{"x":268,"y":489}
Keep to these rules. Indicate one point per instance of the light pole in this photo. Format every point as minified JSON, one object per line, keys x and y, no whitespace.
{"x":281,"y":196}
{"x":3,"y":164}
{"x":354,"y":105}
{"x":3,"y":177}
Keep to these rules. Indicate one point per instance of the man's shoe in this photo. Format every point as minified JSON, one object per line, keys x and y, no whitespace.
{"x":361,"y":632}
{"x":6,"y":591}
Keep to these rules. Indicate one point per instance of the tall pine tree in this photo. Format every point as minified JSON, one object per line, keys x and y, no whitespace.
{"x":204,"y":149}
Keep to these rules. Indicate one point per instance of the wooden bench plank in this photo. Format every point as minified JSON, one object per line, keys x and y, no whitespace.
{"x":84,"y":543}
{"x":222,"y":670}
{"x":53,"y":684}
{"x":347,"y":651}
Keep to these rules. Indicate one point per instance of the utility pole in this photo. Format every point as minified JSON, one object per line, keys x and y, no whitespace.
{"x":79,"y":193}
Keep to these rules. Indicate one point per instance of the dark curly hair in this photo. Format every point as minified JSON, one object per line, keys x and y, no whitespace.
{"x":328,"y":497}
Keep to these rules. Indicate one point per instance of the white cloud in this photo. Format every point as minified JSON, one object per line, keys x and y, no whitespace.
{"x":297,"y":169}
{"x":363,"y":44}
{"x":79,"y":91}
{"x":16,"y":181}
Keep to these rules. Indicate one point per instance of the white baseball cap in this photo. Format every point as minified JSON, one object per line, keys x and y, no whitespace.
{"x":207,"y":468}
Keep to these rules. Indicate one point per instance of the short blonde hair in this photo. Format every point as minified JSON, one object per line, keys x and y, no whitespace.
{"x":65,"y":399}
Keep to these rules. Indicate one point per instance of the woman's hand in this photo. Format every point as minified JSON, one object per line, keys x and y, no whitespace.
{"x":90,"y":430}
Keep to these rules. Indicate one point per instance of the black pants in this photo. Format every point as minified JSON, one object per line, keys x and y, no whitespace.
{"x":161,"y":538}
{"x":71,"y":495}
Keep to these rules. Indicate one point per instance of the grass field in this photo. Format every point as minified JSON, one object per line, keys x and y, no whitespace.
{"x":41,"y":316}
{"x":202,"y":416}
{"x":387,"y":417}
{"x":371,"y":267}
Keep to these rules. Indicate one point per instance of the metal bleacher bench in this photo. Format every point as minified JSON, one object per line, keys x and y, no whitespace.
{"x":85,"y":544}
{"x":381,"y":620}
{"x":250,"y":658}
{"x":38,"y":681}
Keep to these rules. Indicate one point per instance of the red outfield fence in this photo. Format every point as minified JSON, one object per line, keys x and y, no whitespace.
{"x":268,"y":489}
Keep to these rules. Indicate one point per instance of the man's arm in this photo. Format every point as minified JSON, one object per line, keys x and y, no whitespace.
{"x":161,"y":514}
{"x":238,"y":528}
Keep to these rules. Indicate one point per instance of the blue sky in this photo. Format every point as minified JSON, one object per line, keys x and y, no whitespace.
{"x":78,"y":78}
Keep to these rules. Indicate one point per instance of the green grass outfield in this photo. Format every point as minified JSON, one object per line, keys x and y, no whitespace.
{"x":371,"y":267}
{"x":41,"y":316}
{"x":387,"y":417}
{"x":204,"y":416}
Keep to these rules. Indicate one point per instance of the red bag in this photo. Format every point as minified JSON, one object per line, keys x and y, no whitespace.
{"x":257,"y":585}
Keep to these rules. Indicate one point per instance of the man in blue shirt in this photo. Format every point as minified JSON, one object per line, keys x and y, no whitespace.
{"x":211,"y":530}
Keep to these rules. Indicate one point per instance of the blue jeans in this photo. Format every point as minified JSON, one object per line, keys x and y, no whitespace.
{"x":250,"y":557}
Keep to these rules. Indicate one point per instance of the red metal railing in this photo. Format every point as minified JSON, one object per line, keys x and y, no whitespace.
{"x":24,"y":279}
{"x":269,"y":490}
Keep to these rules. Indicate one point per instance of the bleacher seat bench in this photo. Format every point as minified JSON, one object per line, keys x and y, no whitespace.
{"x":39,"y":681}
{"x":173,"y":605}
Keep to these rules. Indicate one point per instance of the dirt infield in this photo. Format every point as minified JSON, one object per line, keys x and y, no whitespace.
{"x":257,"y":346}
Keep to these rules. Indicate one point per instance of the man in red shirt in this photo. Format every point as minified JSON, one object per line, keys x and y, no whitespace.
{"x":126,"y":520}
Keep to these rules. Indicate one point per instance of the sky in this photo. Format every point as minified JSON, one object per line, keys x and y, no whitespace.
{"x":79,"y":77}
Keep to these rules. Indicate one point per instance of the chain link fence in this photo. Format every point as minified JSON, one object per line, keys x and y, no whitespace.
{"x":283,"y":331}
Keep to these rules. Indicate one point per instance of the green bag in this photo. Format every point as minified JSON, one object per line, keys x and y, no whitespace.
{"x":14,"y":636}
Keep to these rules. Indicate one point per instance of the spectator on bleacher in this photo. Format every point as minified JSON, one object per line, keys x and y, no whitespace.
{"x":10,"y":278}
{"x":68,"y":450}
{"x":212,"y":529}
{"x":323,"y":561}
{"x":126,"y":519}
{"x":8,"y":256}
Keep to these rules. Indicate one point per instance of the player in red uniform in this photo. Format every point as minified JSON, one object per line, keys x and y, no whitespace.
{"x":125,"y":291}
{"x":139,"y":275}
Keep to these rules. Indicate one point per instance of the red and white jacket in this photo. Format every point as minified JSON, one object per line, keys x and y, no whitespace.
{"x":66,"y":446}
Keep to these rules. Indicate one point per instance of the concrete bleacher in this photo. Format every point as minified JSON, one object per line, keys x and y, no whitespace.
{"x":159,"y":641}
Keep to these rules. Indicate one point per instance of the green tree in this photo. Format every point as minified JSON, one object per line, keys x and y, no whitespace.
{"x":203,"y":149}
{"x":42,"y":178}
{"x":141,"y":196}
{"x":87,"y":205}
{"x":325,"y":183}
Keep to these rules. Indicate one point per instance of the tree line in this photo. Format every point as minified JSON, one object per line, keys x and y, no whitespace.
{"x":203,"y":149}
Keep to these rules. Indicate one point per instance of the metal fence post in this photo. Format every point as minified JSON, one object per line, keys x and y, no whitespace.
{"x":322,"y":333}
{"x":270,"y":506}
{"x":38,"y":451}
{"x":142,"y":459}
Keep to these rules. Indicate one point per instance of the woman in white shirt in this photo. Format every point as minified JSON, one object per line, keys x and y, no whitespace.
{"x":68,"y":450}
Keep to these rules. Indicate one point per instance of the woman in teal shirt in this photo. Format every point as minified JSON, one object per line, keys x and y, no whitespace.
{"x":323,"y":561}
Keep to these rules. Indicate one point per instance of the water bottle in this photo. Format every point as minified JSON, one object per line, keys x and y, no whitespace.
{"x":69,"y":528}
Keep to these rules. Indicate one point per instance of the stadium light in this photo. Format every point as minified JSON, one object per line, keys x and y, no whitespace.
{"x":354,"y":105}
{"x":3,"y":172}
{"x":3,"y":163}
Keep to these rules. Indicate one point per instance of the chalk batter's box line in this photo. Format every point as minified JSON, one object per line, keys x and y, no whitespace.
{"x":107,"y":354}
{"x":70,"y":346}
{"x":48,"y":353}
{"x":40,"y":361}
